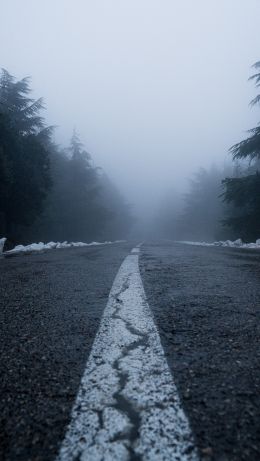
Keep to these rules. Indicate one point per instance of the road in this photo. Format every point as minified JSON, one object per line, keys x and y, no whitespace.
{"x":199,"y":332}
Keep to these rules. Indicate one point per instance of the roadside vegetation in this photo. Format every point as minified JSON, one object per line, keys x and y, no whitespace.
{"x":48,"y":192}
{"x":221,"y":203}
{"x":243,"y":191}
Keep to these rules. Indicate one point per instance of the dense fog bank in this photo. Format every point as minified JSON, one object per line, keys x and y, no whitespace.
{"x":51,"y":193}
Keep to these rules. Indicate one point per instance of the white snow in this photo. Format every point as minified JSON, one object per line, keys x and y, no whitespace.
{"x":51,"y":245}
{"x":226,"y":243}
{"x":2,"y":243}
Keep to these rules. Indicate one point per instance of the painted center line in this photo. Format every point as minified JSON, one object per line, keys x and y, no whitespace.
{"x":128,"y":406}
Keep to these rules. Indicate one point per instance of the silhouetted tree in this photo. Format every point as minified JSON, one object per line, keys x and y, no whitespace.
{"x":86,"y":215}
{"x":23,"y":111}
{"x":244,"y":191}
{"x":24,"y":158}
{"x":197,"y":214}
{"x":82,"y":204}
{"x":203,"y":207}
{"x":47,"y":193}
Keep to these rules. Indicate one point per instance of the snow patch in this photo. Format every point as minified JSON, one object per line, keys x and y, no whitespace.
{"x":2,"y":244}
{"x":225,"y":243}
{"x":51,"y":245}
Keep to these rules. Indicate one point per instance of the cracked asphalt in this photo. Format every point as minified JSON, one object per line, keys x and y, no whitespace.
{"x":127,"y":377}
{"x":205,"y":303}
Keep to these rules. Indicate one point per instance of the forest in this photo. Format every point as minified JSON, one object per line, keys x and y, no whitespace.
{"x":48,"y":192}
{"x":221,"y":203}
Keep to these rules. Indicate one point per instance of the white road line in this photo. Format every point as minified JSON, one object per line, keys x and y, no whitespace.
{"x":128,"y":406}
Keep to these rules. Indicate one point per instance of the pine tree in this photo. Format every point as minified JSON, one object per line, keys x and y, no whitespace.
{"x":46,"y":193}
{"x":23,"y":111}
{"x":244,"y":192}
{"x":203,"y":207}
{"x":24,"y":156}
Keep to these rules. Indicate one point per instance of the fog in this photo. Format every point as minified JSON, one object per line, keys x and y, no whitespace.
{"x":155,"y":88}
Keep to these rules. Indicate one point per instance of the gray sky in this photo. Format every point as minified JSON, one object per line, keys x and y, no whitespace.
{"x":156,"y":88}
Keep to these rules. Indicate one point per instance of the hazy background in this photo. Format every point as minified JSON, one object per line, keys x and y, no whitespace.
{"x":156,"y":88}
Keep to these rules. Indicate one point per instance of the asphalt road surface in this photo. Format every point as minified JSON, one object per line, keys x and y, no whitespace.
{"x":205,"y":305}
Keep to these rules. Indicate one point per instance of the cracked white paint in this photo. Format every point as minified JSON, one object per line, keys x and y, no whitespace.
{"x":128,"y":407}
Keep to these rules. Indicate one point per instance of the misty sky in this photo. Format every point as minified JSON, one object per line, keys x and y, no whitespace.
{"x":156,"y":88}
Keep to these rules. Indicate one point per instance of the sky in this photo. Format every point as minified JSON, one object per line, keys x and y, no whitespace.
{"x":155,"y":88}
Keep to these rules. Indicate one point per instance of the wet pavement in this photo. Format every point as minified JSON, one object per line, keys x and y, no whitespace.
{"x":205,"y":303}
{"x":51,"y":304}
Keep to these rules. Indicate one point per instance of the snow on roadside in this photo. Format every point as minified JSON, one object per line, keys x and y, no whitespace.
{"x":227,"y":243}
{"x":51,"y":245}
{"x":2,"y":244}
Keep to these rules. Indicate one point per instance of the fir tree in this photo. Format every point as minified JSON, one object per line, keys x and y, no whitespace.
{"x":244,"y":192}
{"x":24,"y":156}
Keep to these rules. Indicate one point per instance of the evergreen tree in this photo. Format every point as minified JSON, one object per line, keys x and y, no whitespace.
{"x":196,"y":215}
{"x":24,"y":156}
{"x":244,"y":191}
{"x":24,"y":112}
{"x":45,"y":193}
{"x":203,"y":207}
{"x":74,"y":210}
{"x":86,"y":216}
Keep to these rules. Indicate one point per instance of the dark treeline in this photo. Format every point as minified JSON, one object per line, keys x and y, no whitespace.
{"x":221,"y":203}
{"x":48,"y":193}
{"x":199,"y":213}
